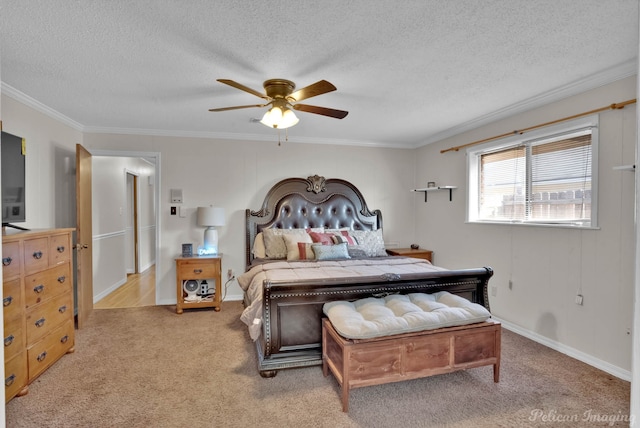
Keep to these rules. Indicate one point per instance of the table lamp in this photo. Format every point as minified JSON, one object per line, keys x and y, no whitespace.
{"x":210,"y":217}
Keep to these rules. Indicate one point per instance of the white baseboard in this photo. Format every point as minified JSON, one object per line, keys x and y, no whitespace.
{"x":567,"y":350}
{"x":109,"y":290}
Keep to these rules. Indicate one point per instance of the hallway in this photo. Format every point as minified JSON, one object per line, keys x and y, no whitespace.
{"x":139,"y":290}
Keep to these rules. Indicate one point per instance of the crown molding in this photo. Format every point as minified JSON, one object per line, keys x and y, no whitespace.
{"x":621,"y":71}
{"x":17,"y":95}
{"x":239,"y":137}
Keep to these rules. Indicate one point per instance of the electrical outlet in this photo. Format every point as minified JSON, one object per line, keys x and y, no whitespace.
{"x":230,"y":274}
{"x":579,"y":299}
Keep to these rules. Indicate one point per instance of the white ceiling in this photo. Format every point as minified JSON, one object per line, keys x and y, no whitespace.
{"x":409,"y":72}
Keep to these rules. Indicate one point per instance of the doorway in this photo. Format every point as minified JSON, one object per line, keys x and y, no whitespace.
{"x":126,"y":230}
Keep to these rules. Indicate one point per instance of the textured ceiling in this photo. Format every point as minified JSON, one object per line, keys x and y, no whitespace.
{"x":409,"y":72}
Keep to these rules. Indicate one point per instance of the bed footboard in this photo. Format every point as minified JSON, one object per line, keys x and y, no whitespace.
{"x":292,"y":323}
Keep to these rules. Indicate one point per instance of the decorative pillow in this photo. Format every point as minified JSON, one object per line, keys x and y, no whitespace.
{"x":330,"y":252}
{"x":259,"y":249}
{"x":291,"y":241}
{"x":343,"y":236}
{"x":275,"y":247}
{"x":356,"y":252}
{"x":306,"y":251}
{"x":370,"y":241}
{"x":322,"y":238}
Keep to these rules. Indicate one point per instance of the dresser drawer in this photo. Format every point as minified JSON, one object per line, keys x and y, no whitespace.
{"x":59,"y":249}
{"x":15,"y":375}
{"x":11,"y":260}
{"x":12,"y":301}
{"x":197,"y":269}
{"x":46,"y":352}
{"x":43,"y":319}
{"x":14,"y":336}
{"x":44,"y":285}
{"x":36,"y":255}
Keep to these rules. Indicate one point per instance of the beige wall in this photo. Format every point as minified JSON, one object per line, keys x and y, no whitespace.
{"x":236,"y":175}
{"x":549,"y":266}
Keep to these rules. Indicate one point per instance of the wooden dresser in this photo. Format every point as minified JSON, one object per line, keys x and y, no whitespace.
{"x":38,"y":304}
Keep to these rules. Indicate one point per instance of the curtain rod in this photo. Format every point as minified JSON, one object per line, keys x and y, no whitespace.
{"x":616,"y":106}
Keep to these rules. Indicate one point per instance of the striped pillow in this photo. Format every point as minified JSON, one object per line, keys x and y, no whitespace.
{"x":343,"y":237}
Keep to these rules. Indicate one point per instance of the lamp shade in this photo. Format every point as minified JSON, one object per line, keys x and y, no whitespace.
{"x":210,"y":216}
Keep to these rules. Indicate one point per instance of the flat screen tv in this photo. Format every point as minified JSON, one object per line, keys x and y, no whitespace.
{"x":12,"y":166}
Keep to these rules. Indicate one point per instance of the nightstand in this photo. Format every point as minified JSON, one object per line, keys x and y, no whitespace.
{"x":410,"y":252}
{"x":198,"y":282}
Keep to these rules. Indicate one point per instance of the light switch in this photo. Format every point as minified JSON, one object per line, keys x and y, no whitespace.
{"x":182,"y":211}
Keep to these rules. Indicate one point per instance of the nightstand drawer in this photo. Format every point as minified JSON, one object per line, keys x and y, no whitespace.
{"x":195,"y":269}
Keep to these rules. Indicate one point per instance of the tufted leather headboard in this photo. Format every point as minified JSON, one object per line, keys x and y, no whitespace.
{"x":296,"y":203}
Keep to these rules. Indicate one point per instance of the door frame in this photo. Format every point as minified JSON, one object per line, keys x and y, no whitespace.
{"x":133,"y":214}
{"x":155,"y":156}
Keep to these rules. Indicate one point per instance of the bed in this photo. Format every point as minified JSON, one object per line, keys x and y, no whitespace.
{"x":284,"y":296}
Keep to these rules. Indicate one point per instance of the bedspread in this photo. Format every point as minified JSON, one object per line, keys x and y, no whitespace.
{"x":252,"y":280}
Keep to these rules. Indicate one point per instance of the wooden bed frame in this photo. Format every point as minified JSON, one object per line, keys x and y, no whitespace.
{"x":292,"y":311}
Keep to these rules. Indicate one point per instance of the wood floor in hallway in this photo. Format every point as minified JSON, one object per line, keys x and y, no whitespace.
{"x":139,"y":290}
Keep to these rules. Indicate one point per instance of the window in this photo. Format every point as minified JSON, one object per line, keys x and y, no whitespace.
{"x":544,"y":178}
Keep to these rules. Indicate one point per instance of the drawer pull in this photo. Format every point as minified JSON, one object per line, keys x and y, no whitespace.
{"x":9,"y":381}
{"x":60,"y":249}
{"x":64,"y":338}
{"x":38,"y":288}
{"x":62,"y":309}
{"x":62,"y":279}
{"x":6,"y":261}
{"x":7,"y":301}
{"x":9,"y":340}
{"x":42,"y":356}
{"x":197,"y":271}
{"x":37,"y":255}
{"x":40,"y":322}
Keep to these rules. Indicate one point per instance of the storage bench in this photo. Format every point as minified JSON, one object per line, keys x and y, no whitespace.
{"x":373,"y":361}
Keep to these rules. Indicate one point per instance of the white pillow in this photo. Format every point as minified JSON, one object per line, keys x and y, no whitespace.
{"x":370,"y":241}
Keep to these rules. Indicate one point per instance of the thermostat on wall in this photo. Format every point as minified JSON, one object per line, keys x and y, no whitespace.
{"x":176,"y":196}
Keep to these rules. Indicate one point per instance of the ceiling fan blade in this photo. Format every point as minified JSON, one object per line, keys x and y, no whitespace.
{"x":313,"y":90}
{"x":243,"y":88}
{"x":338,"y":114}
{"x":237,"y":107}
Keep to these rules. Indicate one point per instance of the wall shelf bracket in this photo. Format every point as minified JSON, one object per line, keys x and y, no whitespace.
{"x":426,"y":190}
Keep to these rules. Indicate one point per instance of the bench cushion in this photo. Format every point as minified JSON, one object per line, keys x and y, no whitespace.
{"x":396,"y":314}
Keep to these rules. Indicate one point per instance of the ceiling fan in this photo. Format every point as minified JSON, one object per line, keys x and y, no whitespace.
{"x":280,"y":96}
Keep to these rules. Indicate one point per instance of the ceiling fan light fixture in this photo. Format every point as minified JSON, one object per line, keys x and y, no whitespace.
{"x":277,"y":118}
